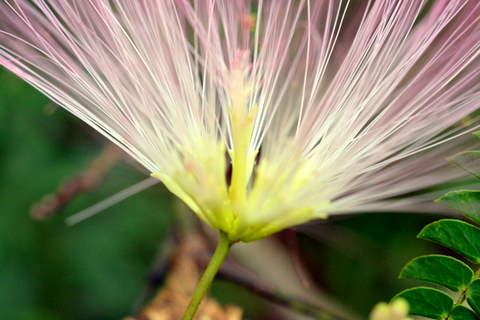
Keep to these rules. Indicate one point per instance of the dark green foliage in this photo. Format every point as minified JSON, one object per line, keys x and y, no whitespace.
{"x":464,"y":201}
{"x":48,"y":271}
{"x":442,"y":270}
{"x":473,"y":296}
{"x":445,"y":271}
{"x":427,"y":302}
{"x":456,"y":235}
{"x":462,"y":313}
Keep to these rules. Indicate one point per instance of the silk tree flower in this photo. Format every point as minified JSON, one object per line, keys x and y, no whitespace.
{"x":262,"y":115}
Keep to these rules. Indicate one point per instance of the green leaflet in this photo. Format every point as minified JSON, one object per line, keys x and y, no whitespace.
{"x":464,"y":201}
{"x":473,"y":296}
{"x":446,"y":271}
{"x":468,"y":161}
{"x":462,"y":313}
{"x":456,"y":235}
{"x":427,"y":302}
{"x":442,"y":270}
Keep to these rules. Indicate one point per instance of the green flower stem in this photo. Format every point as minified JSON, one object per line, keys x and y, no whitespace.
{"x":223,"y":247}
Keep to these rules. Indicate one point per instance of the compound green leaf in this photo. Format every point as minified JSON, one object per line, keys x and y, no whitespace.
{"x":442,"y":270}
{"x":462,"y":313}
{"x":464,"y":201}
{"x":427,"y":302}
{"x":468,"y":161}
{"x":456,"y":235}
{"x":473,"y":296}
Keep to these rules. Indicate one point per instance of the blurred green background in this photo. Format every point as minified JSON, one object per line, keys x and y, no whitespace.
{"x":97,"y":269}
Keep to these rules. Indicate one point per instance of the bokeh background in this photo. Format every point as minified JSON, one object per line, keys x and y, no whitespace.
{"x":97,"y":269}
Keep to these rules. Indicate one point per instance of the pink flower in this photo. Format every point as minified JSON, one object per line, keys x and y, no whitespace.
{"x":267,"y":114}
